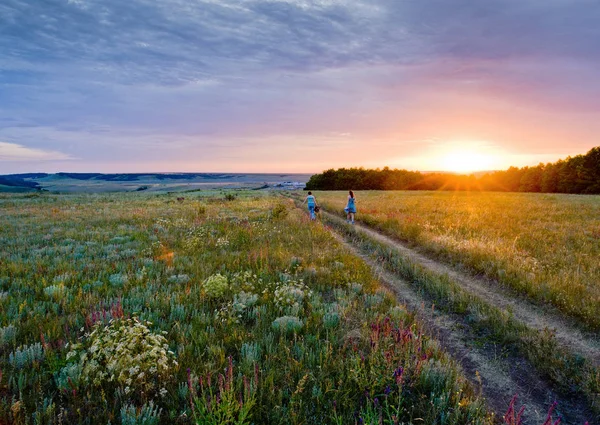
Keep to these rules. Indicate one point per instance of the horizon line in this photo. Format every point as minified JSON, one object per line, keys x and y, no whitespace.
{"x":242,"y":172}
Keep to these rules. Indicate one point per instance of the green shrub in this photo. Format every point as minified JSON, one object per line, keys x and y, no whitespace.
{"x":215,"y":286}
{"x":287,"y":324}
{"x":127,"y":354}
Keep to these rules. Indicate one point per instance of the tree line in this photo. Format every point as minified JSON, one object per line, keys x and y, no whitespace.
{"x":578,"y":174}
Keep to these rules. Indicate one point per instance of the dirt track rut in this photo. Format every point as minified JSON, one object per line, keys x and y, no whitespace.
{"x":502,"y":376}
{"x":586,"y":345}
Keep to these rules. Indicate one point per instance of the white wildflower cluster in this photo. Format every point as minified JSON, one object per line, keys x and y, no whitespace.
{"x":215,"y":286}
{"x":233,"y":311}
{"x":246,"y":286}
{"x":126,"y":353}
{"x":291,"y":294}
{"x":195,"y":238}
{"x":246,"y":281}
{"x":222,"y":242}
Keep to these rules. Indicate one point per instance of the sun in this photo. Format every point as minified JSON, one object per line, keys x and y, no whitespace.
{"x":466,"y":161}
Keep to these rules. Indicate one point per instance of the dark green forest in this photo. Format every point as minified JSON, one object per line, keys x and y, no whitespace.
{"x":578,"y":174}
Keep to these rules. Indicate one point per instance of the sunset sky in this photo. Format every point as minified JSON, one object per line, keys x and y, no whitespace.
{"x":296,"y":85}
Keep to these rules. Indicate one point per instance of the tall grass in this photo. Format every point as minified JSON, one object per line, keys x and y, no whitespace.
{"x":567,"y":371}
{"x":134,"y":308}
{"x":546,"y":247}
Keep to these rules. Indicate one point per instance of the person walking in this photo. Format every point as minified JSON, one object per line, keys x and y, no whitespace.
{"x":350,"y":207}
{"x":312,"y":204}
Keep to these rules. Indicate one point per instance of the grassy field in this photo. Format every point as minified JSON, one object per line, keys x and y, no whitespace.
{"x":546,"y":247}
{"x":138,"y":309}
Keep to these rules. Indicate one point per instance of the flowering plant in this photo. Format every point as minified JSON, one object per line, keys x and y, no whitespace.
{"x":127,"y":353}
{"x":291,"y":294}
{"x":216,"y":285}
{"x":246,"y":281}
{"x":233,"y":311}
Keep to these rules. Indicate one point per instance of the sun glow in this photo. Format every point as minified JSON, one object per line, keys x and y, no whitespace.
{"x":465,"y":161}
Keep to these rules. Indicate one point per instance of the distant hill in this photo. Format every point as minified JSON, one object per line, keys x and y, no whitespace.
{"x":127,"y":177}
{"x":18,"y":181}
{"x":123,"y":182}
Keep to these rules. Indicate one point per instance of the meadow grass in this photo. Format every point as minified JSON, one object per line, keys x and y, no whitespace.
{"x":138,"y":309}
{"x":567,"y":371}
{"x":544,"y":246}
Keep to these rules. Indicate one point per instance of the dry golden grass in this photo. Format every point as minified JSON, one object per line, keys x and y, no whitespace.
{"x":544,"y":246}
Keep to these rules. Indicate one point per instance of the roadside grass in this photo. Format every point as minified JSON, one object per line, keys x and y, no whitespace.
{"x":543,"y":246}
{"x":568,"y":372}
{"x":140,"y":309}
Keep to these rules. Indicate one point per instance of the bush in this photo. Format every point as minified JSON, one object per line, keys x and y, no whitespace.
{"x":279,"y":212}
{"x":26,"y":355}
{"x":215,"y":286}
{"x":287,"y":324}
{"x":127,"y":354}
{"x":291,"y":294}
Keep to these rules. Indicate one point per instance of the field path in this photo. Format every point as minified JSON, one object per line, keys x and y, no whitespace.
{"x":534,"y":316}
{"x":502,"y":375}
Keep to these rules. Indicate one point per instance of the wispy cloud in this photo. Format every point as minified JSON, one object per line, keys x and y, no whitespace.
{"x":11,"y":152}
{"x":211,"y":71}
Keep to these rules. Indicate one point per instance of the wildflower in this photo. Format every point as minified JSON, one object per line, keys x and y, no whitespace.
{"x":398,"y":373}
{"x":127,"y":353}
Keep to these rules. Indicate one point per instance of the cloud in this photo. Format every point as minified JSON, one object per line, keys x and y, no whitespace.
{"x":13,"y":152}
{"x":145,"y":80}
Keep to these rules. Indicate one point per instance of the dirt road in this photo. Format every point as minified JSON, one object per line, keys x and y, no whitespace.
{"x":502,"y":374}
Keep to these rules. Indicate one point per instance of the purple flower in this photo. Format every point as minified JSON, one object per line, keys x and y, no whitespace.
{"x":398,"y":372}
{"x":398,"y":375}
